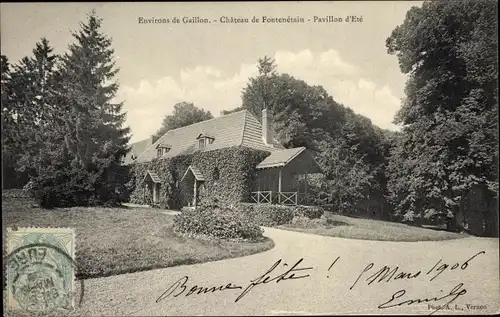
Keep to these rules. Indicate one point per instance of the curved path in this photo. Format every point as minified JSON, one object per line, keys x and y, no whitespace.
{"x":325,"y":291}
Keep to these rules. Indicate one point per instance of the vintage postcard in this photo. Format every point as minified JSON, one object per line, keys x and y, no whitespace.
{"x":250,"y":158}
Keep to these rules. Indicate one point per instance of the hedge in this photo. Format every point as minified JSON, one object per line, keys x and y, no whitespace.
{"x":275,"y":215}
{"x":218,"y":223}
{"x":305,"y":222}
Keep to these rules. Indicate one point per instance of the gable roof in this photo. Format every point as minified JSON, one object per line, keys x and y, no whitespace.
{"x":159,"y":145}
{"x":205,"y":135}
{"x":152,"y":176}
{"x":280,"y":158}
{"x":236,"y":129}
{"x":196,"y":173}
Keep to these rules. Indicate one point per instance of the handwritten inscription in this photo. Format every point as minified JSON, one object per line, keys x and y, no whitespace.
{"x":180,"y":287}
{"x":266,"y":278}
{"x":454,"y":293}
{"x":387,"y":274}
{"x":281,"y":271}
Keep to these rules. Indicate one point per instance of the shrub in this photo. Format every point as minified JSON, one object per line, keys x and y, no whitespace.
{"x":275,"y":215}
{"x":308,"y":223}
{"x":222,"y":223}
{"x":210,"y":202}
{"x":311,"y":212}
{"x":304,"y":222}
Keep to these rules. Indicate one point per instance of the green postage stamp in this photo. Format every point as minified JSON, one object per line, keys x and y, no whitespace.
{"x":40,"y":268}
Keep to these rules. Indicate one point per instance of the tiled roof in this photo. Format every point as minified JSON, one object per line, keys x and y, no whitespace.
{"x":136,"y":149}
{"x":252,"y":135}
{"x":236,"y":129}
{"x":196,"y":172}
{"x":154,"y":177}
{"x":280,"y":158}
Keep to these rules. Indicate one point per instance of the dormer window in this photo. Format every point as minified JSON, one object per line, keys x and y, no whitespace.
{"x":204,"y":140}
{"x":201,"y":143}
{"x":162,"y":150}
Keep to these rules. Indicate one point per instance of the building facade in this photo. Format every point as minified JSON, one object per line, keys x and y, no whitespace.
{"x":234,"y":158}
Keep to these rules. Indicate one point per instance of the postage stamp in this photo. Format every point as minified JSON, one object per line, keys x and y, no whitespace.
{"x":40,"y":269}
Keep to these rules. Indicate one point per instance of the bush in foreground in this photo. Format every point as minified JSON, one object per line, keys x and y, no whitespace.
{"x":219,"y":223}
{"x":275,"y":215}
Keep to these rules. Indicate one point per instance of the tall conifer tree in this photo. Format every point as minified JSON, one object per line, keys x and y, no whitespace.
{"x":89,"y":137}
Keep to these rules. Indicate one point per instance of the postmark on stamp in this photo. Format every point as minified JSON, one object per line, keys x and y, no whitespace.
{"x":40,"y":268}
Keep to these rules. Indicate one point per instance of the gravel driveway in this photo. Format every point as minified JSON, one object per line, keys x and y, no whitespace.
{"x":327,"y":290}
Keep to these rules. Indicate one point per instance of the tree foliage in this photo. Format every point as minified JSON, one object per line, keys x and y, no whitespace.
{"x":65,"y":129}
{"x":184,"y":114}
{"x":350,"y":150}
{"x":28,"y":90}
{"x":449,"y":139}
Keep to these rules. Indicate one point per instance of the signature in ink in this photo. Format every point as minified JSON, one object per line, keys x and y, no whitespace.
{"x":456,"y":292}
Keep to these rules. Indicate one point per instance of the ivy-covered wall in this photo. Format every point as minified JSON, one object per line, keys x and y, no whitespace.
{"x":170,"y":171}
{"x":230,"y":176}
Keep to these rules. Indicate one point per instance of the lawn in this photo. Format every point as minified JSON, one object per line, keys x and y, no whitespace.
{"x":112,"y":241}
{"x":368,"y":229}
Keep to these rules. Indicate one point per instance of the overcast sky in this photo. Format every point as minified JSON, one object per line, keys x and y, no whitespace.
{"x":209,"y":64}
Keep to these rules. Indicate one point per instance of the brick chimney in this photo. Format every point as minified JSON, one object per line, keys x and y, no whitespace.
{"x":267,"y":126}
{"x":152,"y":138}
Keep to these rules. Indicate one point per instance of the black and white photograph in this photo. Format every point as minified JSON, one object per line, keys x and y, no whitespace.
{"x":250,"y":158}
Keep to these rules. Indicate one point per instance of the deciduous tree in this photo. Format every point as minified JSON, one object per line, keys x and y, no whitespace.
{"x":449,"y":116}
{"x":184,"y":114}
{"x":349,"y":149}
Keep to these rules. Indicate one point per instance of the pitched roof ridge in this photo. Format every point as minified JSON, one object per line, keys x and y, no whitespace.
{"x":159,"y":139}
{"x":276,"y":159}
{"x":144,"y":151}
{"x":192,"y":124}
{"x":301,"y":149}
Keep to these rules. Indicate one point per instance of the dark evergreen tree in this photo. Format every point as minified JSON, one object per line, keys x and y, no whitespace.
{"x":8,"y":119}
{"x":35,"y":93}
{"x":82,"y":159}
{"x":26,"y":105}
{"x":259,"y":92}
